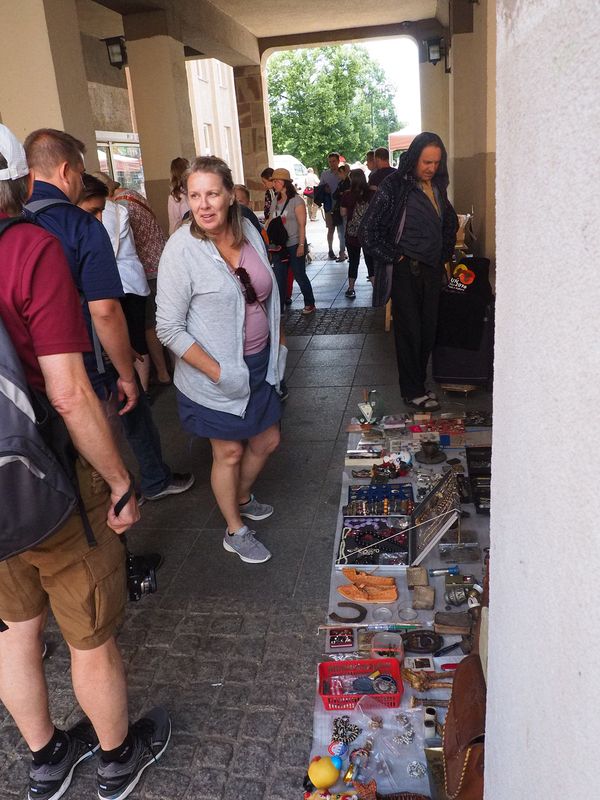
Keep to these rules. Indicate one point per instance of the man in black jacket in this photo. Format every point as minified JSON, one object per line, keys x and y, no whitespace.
{"x":410,"y":230}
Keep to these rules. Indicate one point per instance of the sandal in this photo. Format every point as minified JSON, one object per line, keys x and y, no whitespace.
{"x":307,"y":310}
{"x":423,"y":403}
{"x":431,"y":395}
{"x":350,"y":294}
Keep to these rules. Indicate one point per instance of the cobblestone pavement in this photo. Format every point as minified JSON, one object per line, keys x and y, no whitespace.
{"x":231,"y":648}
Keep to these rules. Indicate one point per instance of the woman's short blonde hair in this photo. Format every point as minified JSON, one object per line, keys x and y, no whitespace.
{"x":217,"y":167}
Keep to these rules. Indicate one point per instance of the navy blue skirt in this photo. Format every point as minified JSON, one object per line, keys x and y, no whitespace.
{"x":263,"y":410}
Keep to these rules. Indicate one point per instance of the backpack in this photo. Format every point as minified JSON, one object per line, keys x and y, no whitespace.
{"x":357,"y":216}
{"x":276,"y":229}
{"x":37,"y":496}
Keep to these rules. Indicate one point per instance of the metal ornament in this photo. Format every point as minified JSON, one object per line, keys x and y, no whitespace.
{"x":416,"y":769}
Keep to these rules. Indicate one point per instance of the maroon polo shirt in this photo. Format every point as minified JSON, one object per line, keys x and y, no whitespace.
{"x":39,"y":304}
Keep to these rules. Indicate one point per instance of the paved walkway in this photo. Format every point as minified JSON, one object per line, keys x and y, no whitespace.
{"x":231,"y":648}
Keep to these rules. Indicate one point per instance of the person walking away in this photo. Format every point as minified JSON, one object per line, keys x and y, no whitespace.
{"x":290,"y":207}
{"x":383,"y":168}
{"x":85,"y":585}
{"x":410,"y":229}
{"x":338,"y":218}
{"x":56,"y":159}
{"x":312,"y":181}
{"x":329,"y":181}
{"x":353,"y":205}
{"x":149,"y":243}
{"x":177,"y":204}
{"x":115,"y":219}
{"x":218,"y":312}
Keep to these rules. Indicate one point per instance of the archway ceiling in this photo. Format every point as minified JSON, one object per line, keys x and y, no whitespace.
{"x":265,"y":18}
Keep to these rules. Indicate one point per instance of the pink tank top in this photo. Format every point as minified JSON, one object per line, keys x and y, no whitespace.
{"x":257,"y":321}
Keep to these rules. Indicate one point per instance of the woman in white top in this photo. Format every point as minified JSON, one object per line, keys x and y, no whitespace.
{"x":177,"y":205}
{"x":115,"y":219}
{"x":290,"y":207}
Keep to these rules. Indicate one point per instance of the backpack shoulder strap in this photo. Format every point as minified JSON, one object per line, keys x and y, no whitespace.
{"x":37,"y":206}
{"x":5,"y":224}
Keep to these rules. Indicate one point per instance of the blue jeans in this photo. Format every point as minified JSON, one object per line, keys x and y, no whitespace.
{"x":144,"y":440}
{"x":141,"y":434}
{"x":287,"y":258}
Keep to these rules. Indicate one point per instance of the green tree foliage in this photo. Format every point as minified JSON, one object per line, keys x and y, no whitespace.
{"x":329,"y":98}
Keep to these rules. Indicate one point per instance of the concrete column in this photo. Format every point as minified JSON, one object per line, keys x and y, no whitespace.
{"x":255,"y":128}
{"x":43,"y":81}
{"x":162,"y":107}
{"x":435,"y":100}
{"x":544,"y":650}
{"x":472,"y":124}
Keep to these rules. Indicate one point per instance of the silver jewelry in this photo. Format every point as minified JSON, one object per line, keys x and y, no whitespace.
{"x":416,"y":769}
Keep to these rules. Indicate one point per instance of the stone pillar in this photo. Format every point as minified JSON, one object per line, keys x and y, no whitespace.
{"x":543,"y":687}
{"x":255,"y":128}
{"x":435,"y":100}
{"x":472,"y":124}
{"x":43,"y":82}
{"x":162,"y":107}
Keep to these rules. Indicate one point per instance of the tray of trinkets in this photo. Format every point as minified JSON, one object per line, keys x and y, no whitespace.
{"x":397,"y":541}
{"x":365,"y":500}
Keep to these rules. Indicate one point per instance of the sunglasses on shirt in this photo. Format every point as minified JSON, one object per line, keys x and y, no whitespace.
{"x":249,"y":290}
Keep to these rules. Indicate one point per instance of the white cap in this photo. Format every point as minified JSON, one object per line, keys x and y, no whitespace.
{"x":12,"y":150}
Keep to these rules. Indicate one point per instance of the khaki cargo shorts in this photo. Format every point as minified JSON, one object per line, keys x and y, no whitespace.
{"x":85,"y":586}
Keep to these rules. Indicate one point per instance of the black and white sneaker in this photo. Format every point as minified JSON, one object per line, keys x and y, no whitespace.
{"x":180,"y":482}
{"x":150,"y":736}
{"x":51,"y":781}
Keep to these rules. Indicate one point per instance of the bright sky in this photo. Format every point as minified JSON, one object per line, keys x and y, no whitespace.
{"x":400,"y":60}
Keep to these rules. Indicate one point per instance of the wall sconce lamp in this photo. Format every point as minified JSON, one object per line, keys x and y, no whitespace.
{"x":436,"y":50}
{"x":117,"y":52}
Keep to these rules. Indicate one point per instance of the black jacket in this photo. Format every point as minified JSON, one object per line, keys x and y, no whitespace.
{"x":381,"y":229}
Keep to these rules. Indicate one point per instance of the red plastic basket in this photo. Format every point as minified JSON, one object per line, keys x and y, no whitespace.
{"x":346,"y":702}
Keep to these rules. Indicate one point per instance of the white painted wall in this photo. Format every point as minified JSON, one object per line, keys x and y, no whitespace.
{"x":214,"y":112}
{"x":544,"y":684}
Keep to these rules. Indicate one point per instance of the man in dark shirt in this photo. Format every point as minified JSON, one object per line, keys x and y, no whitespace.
{"x":85,"y":585}
{"x":56,"y":160}
{"x":382,"y":168}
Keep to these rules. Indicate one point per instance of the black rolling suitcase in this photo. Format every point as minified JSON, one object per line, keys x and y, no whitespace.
{"x":464,"y":350}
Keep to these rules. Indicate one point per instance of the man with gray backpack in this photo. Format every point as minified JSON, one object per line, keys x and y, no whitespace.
{"x":66,"y":494}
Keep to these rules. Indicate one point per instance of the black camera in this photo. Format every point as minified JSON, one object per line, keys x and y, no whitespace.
{"x":141,"y":574}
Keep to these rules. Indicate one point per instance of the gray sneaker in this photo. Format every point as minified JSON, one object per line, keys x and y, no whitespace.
{"x":255,"y":510}
{"x":51,"y":781}
{"x":245,"y":544}
{"x":150,"y":736}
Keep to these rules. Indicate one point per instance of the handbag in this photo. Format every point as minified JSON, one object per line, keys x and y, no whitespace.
{"x":276,"y":229}
{"x":464,"y":731}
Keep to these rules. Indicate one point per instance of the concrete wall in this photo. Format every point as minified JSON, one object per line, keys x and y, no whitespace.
{"x":472,"y":124}
{"x":435,"y":100}
{"x":543,"y":690}
{"x":214,"y":112}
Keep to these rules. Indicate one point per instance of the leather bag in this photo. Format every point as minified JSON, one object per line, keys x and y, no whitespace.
{"x":464,"y":730}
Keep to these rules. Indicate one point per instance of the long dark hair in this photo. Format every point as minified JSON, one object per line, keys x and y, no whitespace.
{"x":410,"y":159}
{"x":178,"y":168}
{"x":290,"y":190}
{"x":359,"y":188}
{"x":234,"y":217}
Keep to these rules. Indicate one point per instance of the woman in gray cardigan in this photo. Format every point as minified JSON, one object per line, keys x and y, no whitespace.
{"x":218,"y":312}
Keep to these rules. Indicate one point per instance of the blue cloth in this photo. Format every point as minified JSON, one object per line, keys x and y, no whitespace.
{"x":262,"y":411}
{"x":90,"y":255}
{"x":422,"y":235}
{"x":93,"y":266}
{"x":143,"y":438}
{"x":282,"y":259}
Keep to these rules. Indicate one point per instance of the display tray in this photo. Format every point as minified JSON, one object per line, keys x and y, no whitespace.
{"x":379,"y":500}
{"x":397,"y":541}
